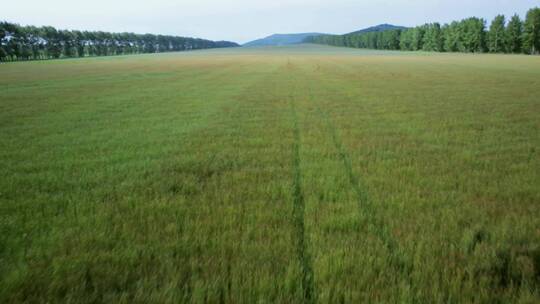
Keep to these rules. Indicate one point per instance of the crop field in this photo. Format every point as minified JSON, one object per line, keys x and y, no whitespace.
{"x":301,"y":174}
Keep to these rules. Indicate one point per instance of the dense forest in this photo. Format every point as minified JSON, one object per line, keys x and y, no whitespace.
{"x":468,"y":35}
{"x":33,"y":43}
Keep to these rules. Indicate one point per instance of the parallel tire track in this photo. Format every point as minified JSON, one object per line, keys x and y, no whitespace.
{"x":367,"y":209}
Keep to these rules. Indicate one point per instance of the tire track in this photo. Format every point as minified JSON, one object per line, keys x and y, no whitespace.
{"x":298,"y":214}
{"x":367,"y":210}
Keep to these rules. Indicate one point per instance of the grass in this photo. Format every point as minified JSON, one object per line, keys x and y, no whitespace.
{"x":290,"y":174}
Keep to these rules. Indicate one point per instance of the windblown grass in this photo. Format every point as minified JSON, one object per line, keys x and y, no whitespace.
{"x":292,"y":174}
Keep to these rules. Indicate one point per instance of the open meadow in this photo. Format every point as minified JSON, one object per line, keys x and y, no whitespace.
{"x":300,"y":174}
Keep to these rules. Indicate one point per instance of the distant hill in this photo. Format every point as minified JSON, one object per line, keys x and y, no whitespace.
{"x":287,"y":39}
{"x":281,"y":39}
{"x":379,"y":28}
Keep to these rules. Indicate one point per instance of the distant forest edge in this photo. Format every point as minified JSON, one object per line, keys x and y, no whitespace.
{"x":37,"y":43}
{"x":469,"y":35}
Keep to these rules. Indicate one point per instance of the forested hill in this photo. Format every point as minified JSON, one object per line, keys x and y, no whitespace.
{"x":34,"y":43}
{"x":379,"y":28}
{"x":468,"y":35}
{"x":281,"y":39}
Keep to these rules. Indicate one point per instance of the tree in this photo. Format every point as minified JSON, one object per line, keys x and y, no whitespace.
{"x":13,"y":44}
{"x":433,"y":38}
{"x":3,"y":42}
{"x":531,"y":34}
{"x":30,"y":42}
{"x":149,"y":43}
{"x":452,"y":36}
{"x":406,"y":39}
{"x":514,"y":32}
{"x":389,"y":40}
{"x":79,"y":43}
{"x":417,"y":41}
{"x":53,"y":42}
{"x":473,"y":35}
{"x":68,"y":43}
{"x":25,"y":44}
{"x":394,"y":37}
{"x":496,"y":36}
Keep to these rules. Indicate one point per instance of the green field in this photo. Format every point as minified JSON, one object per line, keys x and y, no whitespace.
{"x":277,"y":175}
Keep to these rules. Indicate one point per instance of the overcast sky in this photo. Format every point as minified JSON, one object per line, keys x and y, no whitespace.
{"x":244,"y":20}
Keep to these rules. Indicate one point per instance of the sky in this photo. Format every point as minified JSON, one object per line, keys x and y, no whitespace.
{"x":245,"y":20}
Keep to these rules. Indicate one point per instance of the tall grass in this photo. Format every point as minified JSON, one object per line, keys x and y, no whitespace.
{"x":301,"y":174}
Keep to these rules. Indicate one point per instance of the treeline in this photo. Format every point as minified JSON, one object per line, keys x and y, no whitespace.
{"x":34,"y":43}
{"x":468,"y":35}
